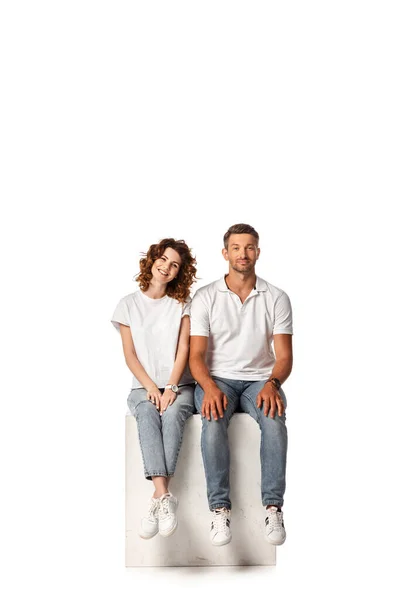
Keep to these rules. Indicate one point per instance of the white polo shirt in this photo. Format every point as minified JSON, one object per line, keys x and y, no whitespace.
{"x":240,"y":335}
{"x":155,"y":325}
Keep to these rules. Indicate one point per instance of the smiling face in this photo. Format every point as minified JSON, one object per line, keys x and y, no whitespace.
{"x":242,"y":252}
{"x":166,"y":268}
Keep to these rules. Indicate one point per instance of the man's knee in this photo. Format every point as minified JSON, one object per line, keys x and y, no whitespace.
{"x":212,"y":428}
{"x":272,"y":425}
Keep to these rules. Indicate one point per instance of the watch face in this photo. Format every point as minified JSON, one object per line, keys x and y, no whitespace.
{"x":172,"y":387}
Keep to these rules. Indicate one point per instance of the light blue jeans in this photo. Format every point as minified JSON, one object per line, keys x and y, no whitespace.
{"x":215,"y":447}
{"x":160,"y":436}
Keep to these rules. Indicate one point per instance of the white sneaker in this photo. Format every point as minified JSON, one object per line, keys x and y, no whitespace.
{"x":167,"y":520}
{"x":149,"y":524}
{"x":274,"y":527}
{"x":220,"y":533}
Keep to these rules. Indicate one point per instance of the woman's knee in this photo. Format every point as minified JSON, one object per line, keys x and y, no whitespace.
{"x":177,"y":412}
{"x":146,"y":409}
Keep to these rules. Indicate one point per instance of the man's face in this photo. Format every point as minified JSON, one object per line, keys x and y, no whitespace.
{"x":242,"y":252}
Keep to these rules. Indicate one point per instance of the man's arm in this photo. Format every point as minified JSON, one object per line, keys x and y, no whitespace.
{"x":269,"y":395}
{"x":284,"y":356}
{"x":197,"y":361}
{"x":214,"y":401}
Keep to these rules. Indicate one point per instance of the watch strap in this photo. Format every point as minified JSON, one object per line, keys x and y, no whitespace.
{"x":275,"y":382}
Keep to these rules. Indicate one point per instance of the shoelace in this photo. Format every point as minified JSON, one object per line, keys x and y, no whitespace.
{"x":275,"y":519}
{"x":220,"y":520}
{"x":152,"y":509}
{"x":165,"y":505}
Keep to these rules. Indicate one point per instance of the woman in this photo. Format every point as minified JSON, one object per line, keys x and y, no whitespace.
{"x":154,"y":327}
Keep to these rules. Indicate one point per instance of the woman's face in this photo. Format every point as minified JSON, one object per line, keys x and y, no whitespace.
{"x":166,"y":268}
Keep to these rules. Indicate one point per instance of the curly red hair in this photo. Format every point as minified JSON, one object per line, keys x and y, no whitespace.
{"x":179,"y":287}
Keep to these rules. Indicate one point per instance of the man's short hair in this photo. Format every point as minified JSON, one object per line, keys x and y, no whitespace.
{"x":240,"y":228}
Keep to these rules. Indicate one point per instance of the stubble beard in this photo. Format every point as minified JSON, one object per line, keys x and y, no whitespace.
{"x":243,"y":268}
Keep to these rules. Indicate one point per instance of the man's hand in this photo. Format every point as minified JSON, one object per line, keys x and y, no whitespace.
{"x":269,"y":395}
{"x":154,"y":395}
{"x":214,"y":403}
{"x":167,"y":399}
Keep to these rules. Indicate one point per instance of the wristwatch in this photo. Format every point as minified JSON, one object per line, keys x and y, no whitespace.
{"x":275,"y":381}
{"x":172,"y":387}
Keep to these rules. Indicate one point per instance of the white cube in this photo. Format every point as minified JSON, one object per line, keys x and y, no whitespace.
{"x":190,"y":544}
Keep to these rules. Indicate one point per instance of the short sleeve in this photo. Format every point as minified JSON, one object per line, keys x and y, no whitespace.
{"x":199,"y":317}
{"x":121,"y":315}
{"x":186,"y":307}
{"x":283,"y":315}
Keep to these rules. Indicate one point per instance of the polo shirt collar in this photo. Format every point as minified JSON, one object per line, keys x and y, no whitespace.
{"x":221,"y":285}
{"x":261,"y":285}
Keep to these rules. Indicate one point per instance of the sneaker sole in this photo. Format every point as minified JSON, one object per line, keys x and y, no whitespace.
{"x":168,"y":532}
{"x":275,"y":543}
{"x":147,"y":537}
{"x":223,"y":543}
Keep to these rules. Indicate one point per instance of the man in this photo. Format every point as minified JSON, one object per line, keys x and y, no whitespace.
{"x":233,"y":323}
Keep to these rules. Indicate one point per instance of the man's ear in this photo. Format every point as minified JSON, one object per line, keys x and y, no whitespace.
{"x":225,"y":253}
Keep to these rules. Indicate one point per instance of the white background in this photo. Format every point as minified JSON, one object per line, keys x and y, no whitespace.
{"x":123,"y":122}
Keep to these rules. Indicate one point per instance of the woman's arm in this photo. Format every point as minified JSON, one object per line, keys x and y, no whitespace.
{"x":182,"y":352}
{"x":181,"y":359}
{"x":132,"y":361}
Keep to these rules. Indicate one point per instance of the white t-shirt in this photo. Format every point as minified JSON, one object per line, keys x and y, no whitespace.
{"x":240,"y":335}
{"x":155,"y":325}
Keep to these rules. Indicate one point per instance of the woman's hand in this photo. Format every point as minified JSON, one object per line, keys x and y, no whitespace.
{"x":167,"y":399}
{"x":154,"y":395}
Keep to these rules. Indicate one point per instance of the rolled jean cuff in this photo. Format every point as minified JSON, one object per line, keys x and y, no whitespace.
{"x":150,"y":475}
{"x":273,"y":502}
{"x":220,"y":505}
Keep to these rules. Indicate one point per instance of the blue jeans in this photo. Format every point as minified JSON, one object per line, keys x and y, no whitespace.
{"x":160,"y":436}
{"x":215,"y":447}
